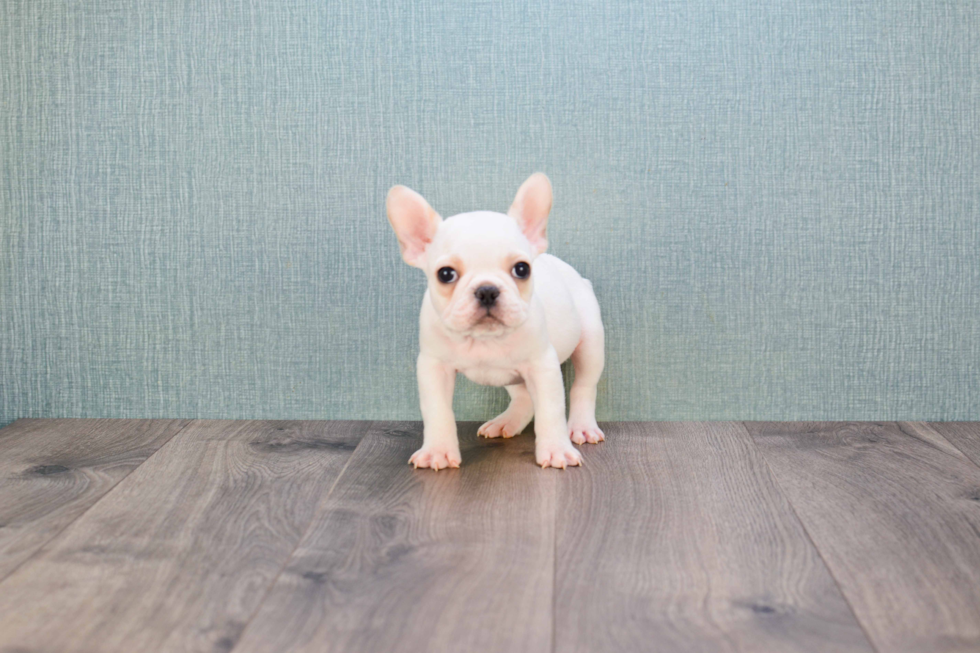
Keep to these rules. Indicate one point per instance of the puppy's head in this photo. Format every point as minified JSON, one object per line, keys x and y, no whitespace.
{"x":480,"y":265}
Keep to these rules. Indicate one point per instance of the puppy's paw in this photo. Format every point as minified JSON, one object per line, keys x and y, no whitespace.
{"x":436,"y":457}
{"x":502,"y":426}
{"x":558,"y":453}
{"x":584,"y":431}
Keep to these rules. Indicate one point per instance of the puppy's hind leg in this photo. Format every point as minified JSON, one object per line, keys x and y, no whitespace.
{"x":513,"y":420}
{"x":588,"y":358}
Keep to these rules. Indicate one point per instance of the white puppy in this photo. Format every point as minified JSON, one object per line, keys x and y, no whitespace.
{"x":502,"y":312}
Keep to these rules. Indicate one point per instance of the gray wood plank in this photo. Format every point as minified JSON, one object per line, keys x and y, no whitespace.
{"x":417,"y":560}
{"x":675,"y":538}
{"x":180,"y":554}
{"x":53,"y":470}
{"x":894,"y":510}
{"x":965,"y":435}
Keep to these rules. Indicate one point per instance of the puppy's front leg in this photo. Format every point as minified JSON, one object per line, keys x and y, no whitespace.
{"x":552,"y":446}
{"x":440,"y":445}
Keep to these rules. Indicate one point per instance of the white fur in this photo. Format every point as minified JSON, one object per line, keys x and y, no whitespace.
{"x":519,"y":342}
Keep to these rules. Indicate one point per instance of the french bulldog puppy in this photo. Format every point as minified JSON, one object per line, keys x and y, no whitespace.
{"x":504,"y":313}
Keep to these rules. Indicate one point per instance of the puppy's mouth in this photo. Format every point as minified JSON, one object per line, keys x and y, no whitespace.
{"x":488,"y":323}
{"x":481,"y":321}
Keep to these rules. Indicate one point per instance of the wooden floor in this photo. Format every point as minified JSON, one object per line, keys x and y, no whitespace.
{"x":175,"y":535}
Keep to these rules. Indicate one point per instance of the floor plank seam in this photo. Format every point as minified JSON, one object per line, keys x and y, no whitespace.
{"x":299,"y":542}
{"x":55,"y":536}
{"x":806,"y":531}
{"x":953,"y":444}
{"x":554,"y":566}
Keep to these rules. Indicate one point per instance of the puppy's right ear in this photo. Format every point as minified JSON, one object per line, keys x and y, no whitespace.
{"x":531,"y":208}
{"x":414,"y":222}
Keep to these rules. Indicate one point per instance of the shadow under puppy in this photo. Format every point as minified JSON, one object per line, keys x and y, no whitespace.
{"x":504,"y":313}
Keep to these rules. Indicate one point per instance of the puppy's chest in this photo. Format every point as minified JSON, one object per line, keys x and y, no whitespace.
{"x":487,"y":366}
{"x":492,"y":375}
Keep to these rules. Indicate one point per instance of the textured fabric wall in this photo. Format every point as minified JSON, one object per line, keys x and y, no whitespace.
{"x":778,"y":202}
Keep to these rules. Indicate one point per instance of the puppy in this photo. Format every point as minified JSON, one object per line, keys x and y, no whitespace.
{"x":504,"y":313}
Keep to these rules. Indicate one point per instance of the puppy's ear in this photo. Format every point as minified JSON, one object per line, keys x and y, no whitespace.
{"x":531,"y":208}
{"x":414,"y":222}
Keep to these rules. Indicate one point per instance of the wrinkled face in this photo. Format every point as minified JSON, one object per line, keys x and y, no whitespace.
{"x":480,"y":272}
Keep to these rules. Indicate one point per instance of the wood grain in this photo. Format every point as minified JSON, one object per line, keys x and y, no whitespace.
{"x":417,"y":560}
{"x":675,"y":538}
{"x":672,"y":537}
{"x":895,"y":511}
{"x":53,"y":470}
{"x":180,"y":554}
{"x":964,"y":435}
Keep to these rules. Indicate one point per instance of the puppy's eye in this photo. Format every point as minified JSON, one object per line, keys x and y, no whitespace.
{"x":521,"y":270}
{"x":447,"y":275}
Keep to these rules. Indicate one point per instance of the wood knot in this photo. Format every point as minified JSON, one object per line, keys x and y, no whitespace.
{"x":401,"y":433}
{"x":764,"y":608}
{"x":48,"y":470}
{"x":294,"y":446}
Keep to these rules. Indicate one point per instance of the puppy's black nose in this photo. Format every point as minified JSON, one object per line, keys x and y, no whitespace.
{"x":487,"y":295}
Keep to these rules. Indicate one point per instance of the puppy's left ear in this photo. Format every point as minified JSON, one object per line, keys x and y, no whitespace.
{"x":414,"y":221}
{"x":531,"y":208}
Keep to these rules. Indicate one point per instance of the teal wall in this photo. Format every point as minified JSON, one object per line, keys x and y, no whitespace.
{"x":778,"y":202}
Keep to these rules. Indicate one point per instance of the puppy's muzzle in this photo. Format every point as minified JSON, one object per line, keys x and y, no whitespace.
{"x":487,"y":295}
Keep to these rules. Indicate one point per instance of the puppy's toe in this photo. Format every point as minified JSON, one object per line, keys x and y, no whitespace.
{"x":435,"y":458}
{"x":591,"y":433}
{"x":491,"y":429}
{"x":499,"y":427}
{"x":421,"y":459}
{"x":559,"y":455}
{"x":594,"y":435}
